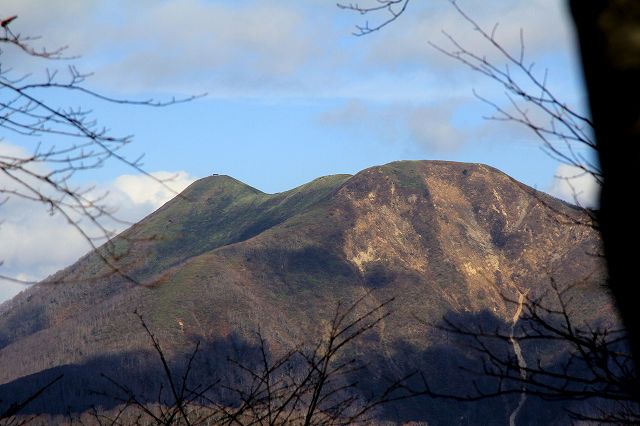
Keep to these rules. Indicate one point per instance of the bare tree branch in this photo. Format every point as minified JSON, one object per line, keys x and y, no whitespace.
{"x":76,"y":143}
{"x":394,"y":9}
{"x":589,"y":363}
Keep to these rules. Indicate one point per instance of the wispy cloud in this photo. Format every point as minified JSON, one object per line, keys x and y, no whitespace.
{"x":196,"y":43}
{"x":277,"y":47}
{"x":430,"y":126}
{"x":406,"y":43}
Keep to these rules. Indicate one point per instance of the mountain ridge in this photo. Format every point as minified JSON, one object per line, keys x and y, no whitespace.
{"x":225,"y":259}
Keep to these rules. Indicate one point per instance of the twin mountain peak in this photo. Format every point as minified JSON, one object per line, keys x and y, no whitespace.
{"x":223,"y":259}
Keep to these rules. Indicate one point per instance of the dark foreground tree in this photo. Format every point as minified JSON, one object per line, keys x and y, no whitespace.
{"x":610,"y":48}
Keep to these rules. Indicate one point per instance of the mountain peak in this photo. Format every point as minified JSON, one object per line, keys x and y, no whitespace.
{"x":225,"y":259}
{"x":218,"y":185}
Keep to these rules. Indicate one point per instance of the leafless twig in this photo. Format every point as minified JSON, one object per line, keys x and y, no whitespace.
{"x":74,"y":142}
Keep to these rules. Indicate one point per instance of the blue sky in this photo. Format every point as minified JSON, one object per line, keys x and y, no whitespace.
{"x":291,"y":96}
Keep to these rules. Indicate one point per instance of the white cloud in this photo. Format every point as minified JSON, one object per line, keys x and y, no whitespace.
{"x":155,"y":192}
{"x":34,"y":243}
{"x":135,"y":196}
{"x":574,"y":185}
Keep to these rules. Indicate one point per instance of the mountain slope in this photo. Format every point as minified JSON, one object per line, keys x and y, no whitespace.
{"x":224,"y":260}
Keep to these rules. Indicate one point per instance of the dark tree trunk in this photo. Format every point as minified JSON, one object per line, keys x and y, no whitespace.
{"x":609,"y":36}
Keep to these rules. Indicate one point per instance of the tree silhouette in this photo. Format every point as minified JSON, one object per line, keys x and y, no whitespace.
{"x":310,"y":384}
{"x":607,"y":32}
{"x":551,"y":353}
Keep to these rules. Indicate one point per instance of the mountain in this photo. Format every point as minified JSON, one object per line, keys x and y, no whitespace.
{"x":223,"y":260}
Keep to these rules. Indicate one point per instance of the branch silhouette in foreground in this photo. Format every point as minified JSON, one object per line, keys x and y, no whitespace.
{"x":308,"y":384}
{"x":393,"y":9}
{"x":60,"y":143}
{"x":547,"y":353}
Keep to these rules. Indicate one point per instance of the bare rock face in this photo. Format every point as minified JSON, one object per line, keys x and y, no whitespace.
{"x":224,"y":260}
